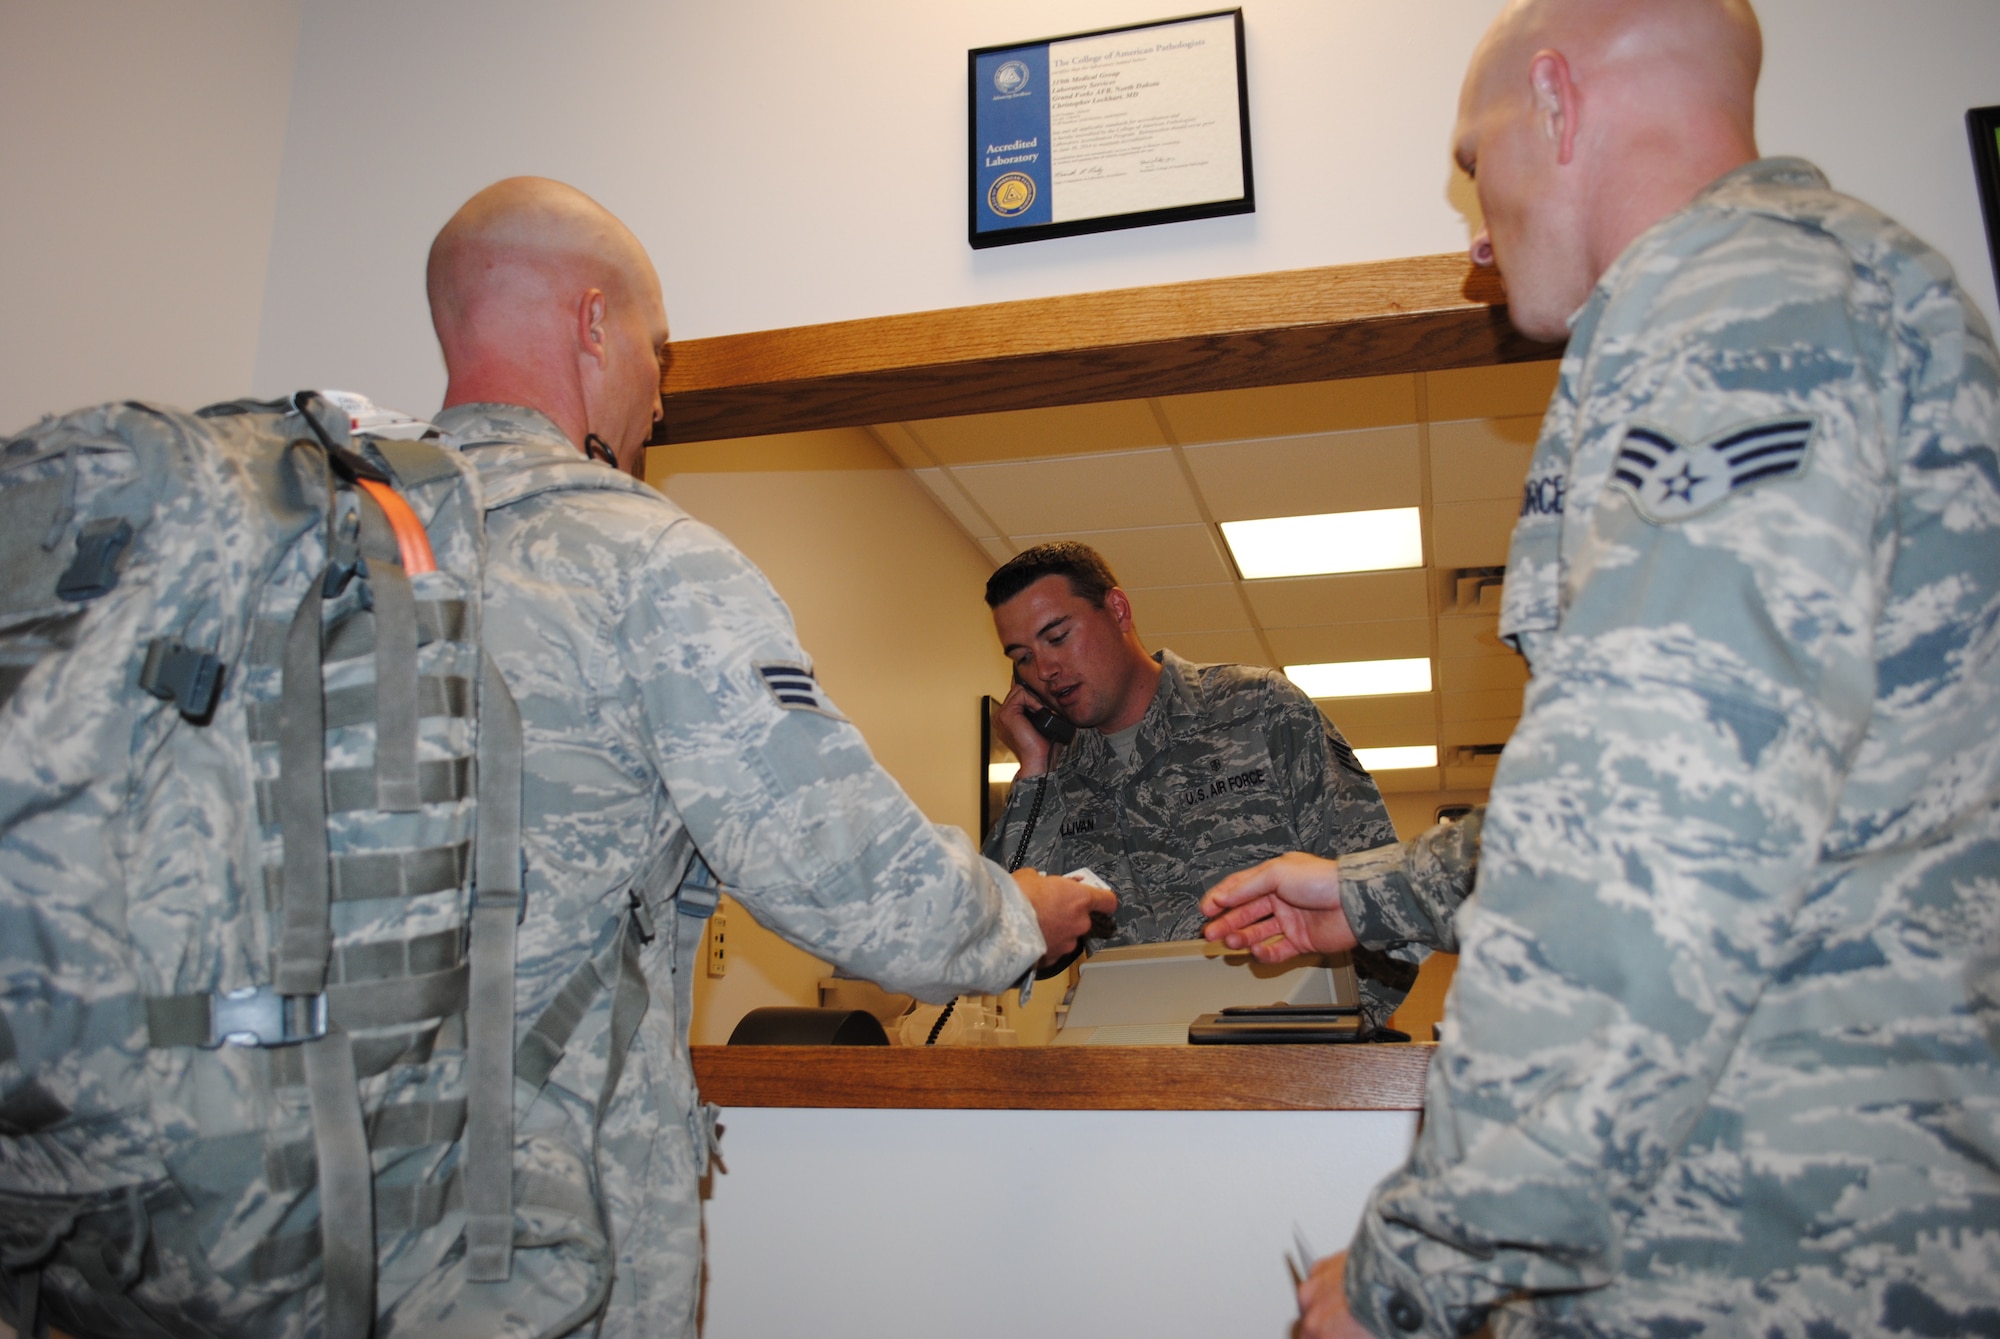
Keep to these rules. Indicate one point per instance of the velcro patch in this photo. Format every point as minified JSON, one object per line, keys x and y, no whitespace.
{"x":796,"y":689}
{"x":1670,"y":481}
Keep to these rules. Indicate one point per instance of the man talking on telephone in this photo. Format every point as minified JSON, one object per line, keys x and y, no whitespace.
{"x":1160,"y":775}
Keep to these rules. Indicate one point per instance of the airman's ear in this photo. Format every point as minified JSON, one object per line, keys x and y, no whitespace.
{"x":1555,"y":102}
{"x":1120,"y":605}
{"x":590,"y":340}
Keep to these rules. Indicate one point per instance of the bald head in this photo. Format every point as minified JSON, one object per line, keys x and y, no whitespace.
{"x":1585,"y":122}
{"x":542,"y":298}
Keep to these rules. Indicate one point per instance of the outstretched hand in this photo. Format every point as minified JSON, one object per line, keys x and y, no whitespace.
{"x":1323,"y":1312}
{"x":1064,"y":908}
{"x":1280,"y":909}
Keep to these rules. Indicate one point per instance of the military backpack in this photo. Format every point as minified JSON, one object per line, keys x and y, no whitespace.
{"x":260,"y":873}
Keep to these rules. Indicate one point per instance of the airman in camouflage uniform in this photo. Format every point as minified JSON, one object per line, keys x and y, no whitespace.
{"x":1230,"y":764}
{"x":1720,"y":1056}
{"x":673,"y":728}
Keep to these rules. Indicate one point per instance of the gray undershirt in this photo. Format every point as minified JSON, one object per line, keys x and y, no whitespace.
{"x":1125,"y":743}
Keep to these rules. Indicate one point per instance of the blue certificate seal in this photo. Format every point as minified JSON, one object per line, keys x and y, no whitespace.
{"x":1011,"y":195}
{"x":1010,"y":78}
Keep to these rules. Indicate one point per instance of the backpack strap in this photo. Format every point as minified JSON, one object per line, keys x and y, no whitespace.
{"x":496,"y":916}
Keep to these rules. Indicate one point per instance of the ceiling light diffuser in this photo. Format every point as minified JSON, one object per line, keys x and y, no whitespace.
{"x":1339,"y":541}
{"x":1362,"y":678}
{"x":1398,"y":759}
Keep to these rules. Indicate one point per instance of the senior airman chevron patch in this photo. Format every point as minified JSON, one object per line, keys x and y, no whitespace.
{"x":1668,"y":481}
{"x":796,"y":689}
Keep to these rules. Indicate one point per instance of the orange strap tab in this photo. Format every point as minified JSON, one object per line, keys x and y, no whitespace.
{"x":411,"y":540}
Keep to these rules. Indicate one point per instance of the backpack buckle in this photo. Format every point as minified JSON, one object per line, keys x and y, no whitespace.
{"x":259,"y":1016}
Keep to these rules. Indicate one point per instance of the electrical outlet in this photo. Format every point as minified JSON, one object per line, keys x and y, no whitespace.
{"x":718,"y":946}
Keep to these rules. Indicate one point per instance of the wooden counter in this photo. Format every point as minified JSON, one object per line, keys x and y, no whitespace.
{"x":1068,"y":1078}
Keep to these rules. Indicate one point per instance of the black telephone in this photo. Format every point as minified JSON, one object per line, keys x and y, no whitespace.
{"x":1047,"y":722}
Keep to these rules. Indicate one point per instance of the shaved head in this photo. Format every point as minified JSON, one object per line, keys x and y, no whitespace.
{"x":541,"y":297}
{"x":1585,"y":122}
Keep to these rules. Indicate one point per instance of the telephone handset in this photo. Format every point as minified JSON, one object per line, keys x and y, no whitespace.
{"x":1047,"y":722}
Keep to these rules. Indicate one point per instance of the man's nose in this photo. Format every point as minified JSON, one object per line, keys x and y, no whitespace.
{"x":1482,"y":249}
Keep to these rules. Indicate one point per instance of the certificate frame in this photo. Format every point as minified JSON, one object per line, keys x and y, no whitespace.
{"x":1009,"y":201}
{"x":1983,"y":125}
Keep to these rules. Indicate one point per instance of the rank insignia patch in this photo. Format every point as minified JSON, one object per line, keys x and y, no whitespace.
{"x":1669,"y":481}
{"x":796,"y":689}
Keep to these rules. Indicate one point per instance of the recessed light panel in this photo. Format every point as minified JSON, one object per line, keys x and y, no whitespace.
{"x":1399,"y":759}
{"x":1362,"y":678}
{"x":1000,"y":773}
{"x":1339,"y":541}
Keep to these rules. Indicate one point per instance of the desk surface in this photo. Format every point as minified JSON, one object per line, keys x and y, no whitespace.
{"x":1068,"y":1078}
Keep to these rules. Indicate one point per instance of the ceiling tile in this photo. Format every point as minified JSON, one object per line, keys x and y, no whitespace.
{"x":1487,"y":705}
{"x":1479,"y":730}
{"x":1473,"y":674}
{"x":1472,"y":534}
{"x":1292,"y":602}
{"x":1283,"y":411}
{"x":1401,"y":640}
{"x":1050,"y":497}
{"x":999,"y":550}
{"x":1471,"y":636}
{"x":1491,"y":392}
{"x":1385,"y":722}
{"x":955,"y":503}
{"x":1020,"y":434}
{"x":1167,"y":555}
{"x":1304,"y":476}
{"x":1238,"y":648}
{"x":1213,"y":608}
{"x":1481,"y":458}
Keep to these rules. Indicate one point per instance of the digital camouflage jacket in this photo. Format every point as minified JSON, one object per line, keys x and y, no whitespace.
{"x":668,"y":710}
{"x":1720,"y":1053}
{"x":1235,"y":765}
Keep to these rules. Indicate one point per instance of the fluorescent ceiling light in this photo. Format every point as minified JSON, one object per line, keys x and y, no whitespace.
{"x":1000,"y":773}
{"x":1339,"y":541}
{"x":1362,"y":678}
{"x":1392,"y":760}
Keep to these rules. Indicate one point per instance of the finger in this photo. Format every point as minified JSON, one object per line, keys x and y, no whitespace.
{"x":1240,"y":887}
{"x":1239,"y":918}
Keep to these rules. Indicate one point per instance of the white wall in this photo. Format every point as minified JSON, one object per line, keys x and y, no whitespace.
{"x":139,"y":153}
{"x":1010,"y":1224}
{"x":787,"y":163}
{"x":791,"y":163}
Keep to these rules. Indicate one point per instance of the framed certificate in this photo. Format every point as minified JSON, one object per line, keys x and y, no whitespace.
{"x":1119,"y":128}
{"x":1983,"y":124}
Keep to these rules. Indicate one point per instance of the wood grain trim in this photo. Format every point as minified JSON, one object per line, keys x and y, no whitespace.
{"x":1068,"y":1078}
{"x":1424,"y":313}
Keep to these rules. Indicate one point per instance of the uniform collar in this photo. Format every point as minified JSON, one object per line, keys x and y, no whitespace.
{"x":1175,"y":709}
{"x":1764,"y":173}
{"x":505,"y":434}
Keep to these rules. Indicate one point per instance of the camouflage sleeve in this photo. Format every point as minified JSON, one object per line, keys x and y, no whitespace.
{"x":1409,"y":894}
{"x":1337,"y":808}
{"x":1657,"y":813}
{"x":1336,"y":804}
{"x":1036,"y":799}
{"x":783,"y":798}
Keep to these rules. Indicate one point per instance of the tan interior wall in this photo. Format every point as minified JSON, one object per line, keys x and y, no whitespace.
{"x":886,"y":594}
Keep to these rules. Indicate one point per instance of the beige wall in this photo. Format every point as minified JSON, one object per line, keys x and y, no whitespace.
{"x":886,"y":593}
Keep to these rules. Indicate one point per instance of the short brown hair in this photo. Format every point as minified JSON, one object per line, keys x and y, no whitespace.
{"x":1089,"y":575}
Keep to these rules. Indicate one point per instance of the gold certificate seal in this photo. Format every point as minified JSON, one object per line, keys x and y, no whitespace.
{"x":1011,"y":195}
